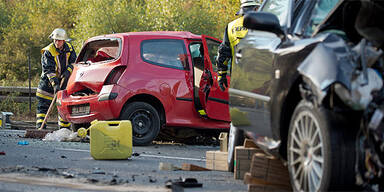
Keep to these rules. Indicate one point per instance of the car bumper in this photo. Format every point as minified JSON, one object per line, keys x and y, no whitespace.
{"x":84,"y":109}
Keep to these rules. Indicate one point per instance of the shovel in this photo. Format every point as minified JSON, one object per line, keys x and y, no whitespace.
{"x":50,"y":107}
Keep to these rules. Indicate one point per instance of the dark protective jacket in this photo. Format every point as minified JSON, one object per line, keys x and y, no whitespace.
{"x":54,"y":63}
{"x":234,"y":32}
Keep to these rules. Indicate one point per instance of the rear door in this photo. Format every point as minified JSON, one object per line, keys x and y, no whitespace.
{"x":214,"y":101}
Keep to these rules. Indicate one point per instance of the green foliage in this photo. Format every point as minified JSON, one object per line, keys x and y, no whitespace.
{"x":26,"y":24}
{"x":30,"y":23}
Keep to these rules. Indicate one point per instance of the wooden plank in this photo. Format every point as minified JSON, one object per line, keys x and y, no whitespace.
{"x":217,"y":160}
{"x":248,"y":143}
{"x":216,"y":155}
{"x":269,"y":169}
{"x":243,"y":160}
{"x":245,"y":153}
{"x":266,"y":188}
{"x":223,"y":137}
{"x":248,"y":179}
{"x":191,"y":167}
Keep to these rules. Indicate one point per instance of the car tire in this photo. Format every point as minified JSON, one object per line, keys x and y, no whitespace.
{"x":320,"y":150}
{"x":145,"y":121}
{"x":236,"y":138}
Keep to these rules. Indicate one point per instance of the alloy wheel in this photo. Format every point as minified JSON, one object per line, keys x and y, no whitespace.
{"x":306,"y":152}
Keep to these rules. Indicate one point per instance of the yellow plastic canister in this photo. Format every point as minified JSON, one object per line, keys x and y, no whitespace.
{"x":111,"y":139}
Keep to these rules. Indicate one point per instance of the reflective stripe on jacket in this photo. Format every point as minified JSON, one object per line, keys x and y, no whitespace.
{"x":58,"y":68}
{"x":236,"y":32}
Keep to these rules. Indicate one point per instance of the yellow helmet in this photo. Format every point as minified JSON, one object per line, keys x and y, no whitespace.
{"x":58,"y":34}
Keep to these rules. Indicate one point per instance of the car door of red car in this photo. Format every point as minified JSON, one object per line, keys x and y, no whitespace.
{"x":214,"y":101}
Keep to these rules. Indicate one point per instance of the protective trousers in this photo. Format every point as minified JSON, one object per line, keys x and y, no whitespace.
{"x":44,"y":96}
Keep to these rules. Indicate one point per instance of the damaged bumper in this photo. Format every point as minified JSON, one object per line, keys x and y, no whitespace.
{"x":83,"y":109}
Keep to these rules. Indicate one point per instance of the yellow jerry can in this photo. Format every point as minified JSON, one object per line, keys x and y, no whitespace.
{"x":111,"y":139}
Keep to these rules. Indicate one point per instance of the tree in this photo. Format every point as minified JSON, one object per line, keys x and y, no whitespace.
{"x":26,"y":24}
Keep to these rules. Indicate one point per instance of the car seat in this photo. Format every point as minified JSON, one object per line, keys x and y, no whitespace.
{"x":101,"y":56}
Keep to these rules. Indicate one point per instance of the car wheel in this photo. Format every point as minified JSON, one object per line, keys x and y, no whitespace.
{"x":145,"y":121}
{"x":236,"y":138}
{"x":320,"y":153}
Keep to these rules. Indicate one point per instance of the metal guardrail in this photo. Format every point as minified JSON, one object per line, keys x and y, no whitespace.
{"x":21,"y":96}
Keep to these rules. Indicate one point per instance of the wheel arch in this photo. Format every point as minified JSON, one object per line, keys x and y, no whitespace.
{"x":150,"y":99}
{"x":289,"y":104}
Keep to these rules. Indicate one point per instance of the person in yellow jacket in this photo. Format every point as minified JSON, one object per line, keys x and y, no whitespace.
{"x":234,"y":32}
{"x":57,"y":64}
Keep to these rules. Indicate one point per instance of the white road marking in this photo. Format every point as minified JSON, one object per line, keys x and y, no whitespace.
{"x":144,"y":155}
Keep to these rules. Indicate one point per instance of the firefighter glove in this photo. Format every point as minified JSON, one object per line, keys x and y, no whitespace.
{"x":222,"y":79}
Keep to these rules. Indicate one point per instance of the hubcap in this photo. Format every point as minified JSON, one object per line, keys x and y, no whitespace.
{"x":306,"y":155}
{"x":141,"y":122}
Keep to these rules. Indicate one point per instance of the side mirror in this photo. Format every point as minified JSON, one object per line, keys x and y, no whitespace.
{"x":263,"y":21}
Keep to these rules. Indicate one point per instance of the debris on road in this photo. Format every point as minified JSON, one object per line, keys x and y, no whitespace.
{"x":191,"y":167}
{"x":168,"y":167}
{"x":2,"y":153}
{"x":23,"y":143}
{"x":152,"y":180}
{"x":135,"y":154}
{"x":62,"y":135}
{"x":36,"y":134}
{"x":186,"y":183}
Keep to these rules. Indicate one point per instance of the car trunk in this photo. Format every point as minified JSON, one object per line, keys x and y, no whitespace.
{"x":94,"y":65}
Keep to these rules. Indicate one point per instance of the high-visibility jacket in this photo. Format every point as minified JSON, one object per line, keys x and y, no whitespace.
{"x":235,"y":31}
{"x":54,"y":63}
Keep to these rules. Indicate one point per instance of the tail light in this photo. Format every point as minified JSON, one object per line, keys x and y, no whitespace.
{"x":114,"y":75}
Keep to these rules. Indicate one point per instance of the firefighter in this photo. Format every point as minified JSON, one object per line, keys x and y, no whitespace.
{"x":234,"y":32}
{"x":57,"y":64}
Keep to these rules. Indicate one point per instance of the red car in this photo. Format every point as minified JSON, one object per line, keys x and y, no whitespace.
{"x":154,"y":79}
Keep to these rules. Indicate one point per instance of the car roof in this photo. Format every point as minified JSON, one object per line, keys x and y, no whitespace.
{"x":174,"y":34}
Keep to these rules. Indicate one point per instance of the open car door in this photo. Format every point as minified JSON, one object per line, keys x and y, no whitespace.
{"x":214,"y":101}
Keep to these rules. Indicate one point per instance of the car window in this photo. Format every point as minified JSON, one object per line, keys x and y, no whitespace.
{"x":279,"y":8}
{"x":213,"y":46}
{"x":320,"y":11}
{"x":197,"y":53}
{"x":100,"y":51}
{"x":165,"y":52}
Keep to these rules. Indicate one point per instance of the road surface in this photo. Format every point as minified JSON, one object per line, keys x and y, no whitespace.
{"x":68,"y":166}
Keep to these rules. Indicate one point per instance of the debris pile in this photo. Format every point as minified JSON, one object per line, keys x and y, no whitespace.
{"x":62,"y":135}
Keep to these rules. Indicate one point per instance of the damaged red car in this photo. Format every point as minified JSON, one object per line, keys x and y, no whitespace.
{"x":157,"y":80}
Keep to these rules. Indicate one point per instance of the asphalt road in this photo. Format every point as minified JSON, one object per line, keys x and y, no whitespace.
{"x":68,"y":166}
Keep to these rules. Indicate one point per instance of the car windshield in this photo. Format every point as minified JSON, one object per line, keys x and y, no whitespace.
{"x":279,"y":8}
{"x":321,"y":10}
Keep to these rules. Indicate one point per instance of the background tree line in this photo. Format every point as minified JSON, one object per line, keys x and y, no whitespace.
{"x":26,"y":24}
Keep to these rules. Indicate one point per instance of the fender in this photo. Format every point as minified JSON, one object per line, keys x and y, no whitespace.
{"x":331,"y":61}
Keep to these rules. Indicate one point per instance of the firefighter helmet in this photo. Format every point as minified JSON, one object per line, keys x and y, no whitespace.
{"x":59,"y":34}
